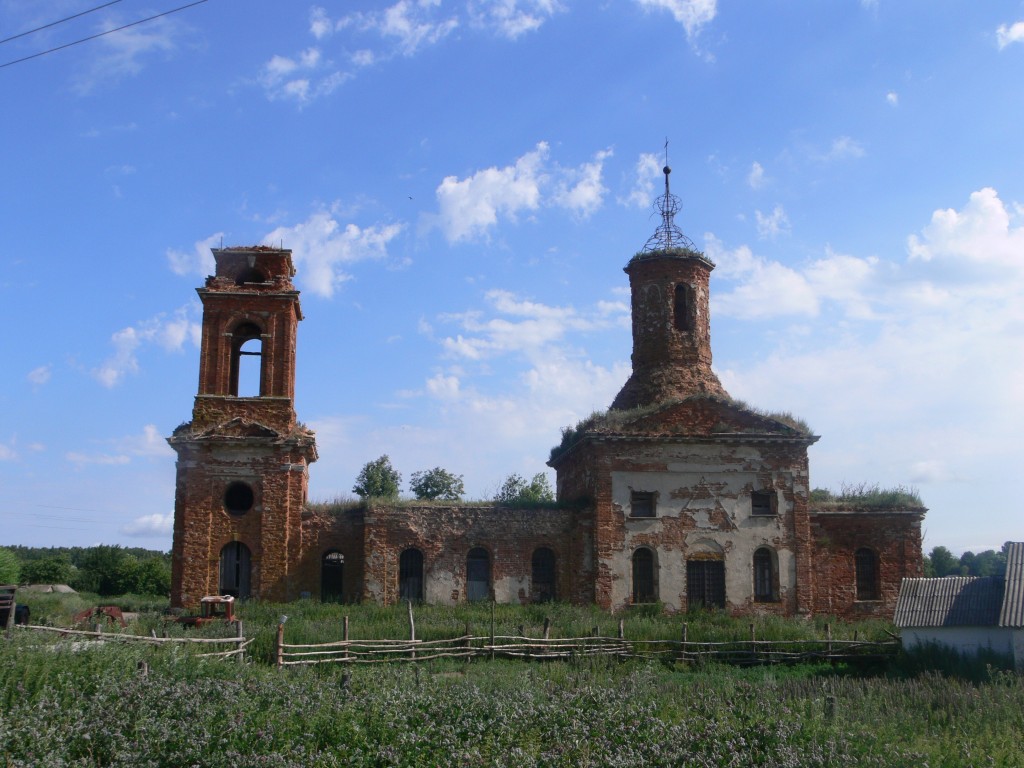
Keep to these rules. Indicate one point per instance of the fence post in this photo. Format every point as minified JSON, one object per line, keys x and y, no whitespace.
{"x":682,"y":650}
{"x":412,"y":633}
{"x":240,"y":634}
{"x":492,"y":630}
{"x":280,"y":645}
{"x":344,"y":636}
{"x":469,"y":642}
{"x":828,"y":637}
{"x":547,"y":627}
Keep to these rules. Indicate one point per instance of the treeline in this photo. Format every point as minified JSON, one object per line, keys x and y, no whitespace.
{"x":104,"y":569}
{"x":941,"y":562}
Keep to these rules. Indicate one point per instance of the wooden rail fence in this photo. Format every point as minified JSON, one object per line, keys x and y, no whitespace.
{"x":238,"y":652}
{"x":468,"y":646}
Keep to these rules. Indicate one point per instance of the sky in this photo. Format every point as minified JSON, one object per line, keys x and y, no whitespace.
{"x":461,"y":183}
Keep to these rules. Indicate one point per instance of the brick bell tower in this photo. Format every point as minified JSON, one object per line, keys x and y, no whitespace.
{"x":243,"y":460}
{"x":668,"y":282}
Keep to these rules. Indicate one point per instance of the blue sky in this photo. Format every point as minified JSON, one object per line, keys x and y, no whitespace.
{"x":461,"y":183}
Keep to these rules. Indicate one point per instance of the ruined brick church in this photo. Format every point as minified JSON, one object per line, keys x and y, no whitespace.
{"x":677,"y":494}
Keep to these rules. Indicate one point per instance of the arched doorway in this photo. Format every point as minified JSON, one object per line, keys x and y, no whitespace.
{"x":332,"y":572}
{"x":478,"y":574}
{"x":235,"y":570}
{"x":410,"y":575}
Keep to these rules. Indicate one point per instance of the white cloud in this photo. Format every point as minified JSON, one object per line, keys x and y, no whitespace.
{"x":692,"y":14}
{"x":171,"y":332}
{"x":756,"y":178}
{"x":1007,"y":35}
{"x":39,"y":376}
{"x":102,"y":459}
{"x":581,"y":190}
{"x":469,"y":207}
{"x":981,"y":234}
{"x":323,"y":246}
{"x":513,"y":18}
{"x":199,"y":261}
{"x":892,"y":98}
{"x":149,"y":444}
{"x":770,"y":226}
{"x":648,"y":169}
{"x":320,"y":24}
{"x":300,"y":78}
{"x":149,"y":525}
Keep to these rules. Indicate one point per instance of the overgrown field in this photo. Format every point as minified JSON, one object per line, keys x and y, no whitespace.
{"x":71,"y":703}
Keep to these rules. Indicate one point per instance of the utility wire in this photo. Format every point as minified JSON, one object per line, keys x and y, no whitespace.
{"x":101,"y":34}
{"x":55,"y":23}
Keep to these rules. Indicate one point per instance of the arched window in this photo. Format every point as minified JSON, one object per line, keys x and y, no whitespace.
{"x":765,"y":590}
{"x":478,"y":574}
{"x":705,"y":582}
{"x":235,"y":569}
{"x":542,"y":576}
{"x":247,"y":361}
{"x":681,"y":308}
{"x":866,"y":564}
{"x":332,"y":577}
{"x":644,"y":587}
{"x":410,"y":575}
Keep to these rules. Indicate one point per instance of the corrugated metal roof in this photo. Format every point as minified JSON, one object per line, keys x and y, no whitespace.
{"x":952,"y":601}
{"x":1012,"y":614}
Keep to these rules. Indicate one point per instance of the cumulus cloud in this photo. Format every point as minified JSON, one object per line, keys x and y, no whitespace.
{"x":694,"y":15}
{"x":199,"y":260}
{"x":892,"y":98}
{"x":646,"y":171}
{"x":1007,"y":35}
{"x":301,"y":77}
{"x":771,"y":225}
{"x":149,"y":525}
{"x":323,"y":247}
{"x":169,"y":331}
{"x":470,"y":207}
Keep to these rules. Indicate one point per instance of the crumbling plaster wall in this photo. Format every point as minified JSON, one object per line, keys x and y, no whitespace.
{"x":703,"y":508}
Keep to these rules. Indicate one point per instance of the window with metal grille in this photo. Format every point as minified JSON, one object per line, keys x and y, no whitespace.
{"x":644,"y":587}
{"x":705,"y":583}
{"x":410,"y":575}
{"x":764,"y":576}
{"x":542,"y":575}
{"x":866,"y":564}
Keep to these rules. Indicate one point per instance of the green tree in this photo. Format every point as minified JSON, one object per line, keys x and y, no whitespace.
{"x":102,"y":570}
{"x":10,"y":567}
{"x":153,"y":577}
{"x":515,"y":490}
{"x":943,"y":562}
{"x":378,"y":479}
{"x":48,"y":570}
{"x":437,"y":483}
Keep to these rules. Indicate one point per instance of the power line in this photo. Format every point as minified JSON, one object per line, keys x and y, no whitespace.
{"x":101,"y":34}
{"x":55,"y":23}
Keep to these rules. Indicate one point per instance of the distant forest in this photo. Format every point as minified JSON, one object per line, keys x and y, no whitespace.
{"x":103,"y":569}
{"x":941,"y":562}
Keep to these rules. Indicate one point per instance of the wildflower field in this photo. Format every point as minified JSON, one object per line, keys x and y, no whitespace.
{"x":68,"y":702}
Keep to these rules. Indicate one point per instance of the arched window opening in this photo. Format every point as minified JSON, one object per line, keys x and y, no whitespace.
{"x":682,"y":308}
{"x":478,"y":574}
{"x":332,"y":573}
{"x":542,"y":576}
{"x":410,"y":575}
{"x":705,"y":583}
{"x":866,"y":564}
{"x":235,"y":570}
{"x":644,"y":587}
{"x":247,"y":361}
{"x":765,"y":590}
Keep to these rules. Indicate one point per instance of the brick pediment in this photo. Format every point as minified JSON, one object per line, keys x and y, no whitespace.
{"x":241,"y":428}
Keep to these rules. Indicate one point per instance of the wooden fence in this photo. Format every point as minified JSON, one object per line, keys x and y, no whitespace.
{"x":469,"y":646}
{"x":238,"y":652}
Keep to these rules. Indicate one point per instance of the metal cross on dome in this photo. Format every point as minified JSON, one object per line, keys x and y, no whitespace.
{"x":668,"y":236}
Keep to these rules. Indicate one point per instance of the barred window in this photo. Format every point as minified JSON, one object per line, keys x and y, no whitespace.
{"x":866,"y":565}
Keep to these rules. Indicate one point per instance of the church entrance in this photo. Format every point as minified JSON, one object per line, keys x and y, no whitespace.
{"x":332,"y":571}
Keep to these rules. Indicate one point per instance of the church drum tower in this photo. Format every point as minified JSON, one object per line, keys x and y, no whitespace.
{"x":243,"y":459}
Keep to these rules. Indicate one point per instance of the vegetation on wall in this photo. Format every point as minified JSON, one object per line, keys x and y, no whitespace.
{"x":867,"y":496}
{"x":516,"y":491}
{"x":437,"y":483}
{"x":378,"y":480}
